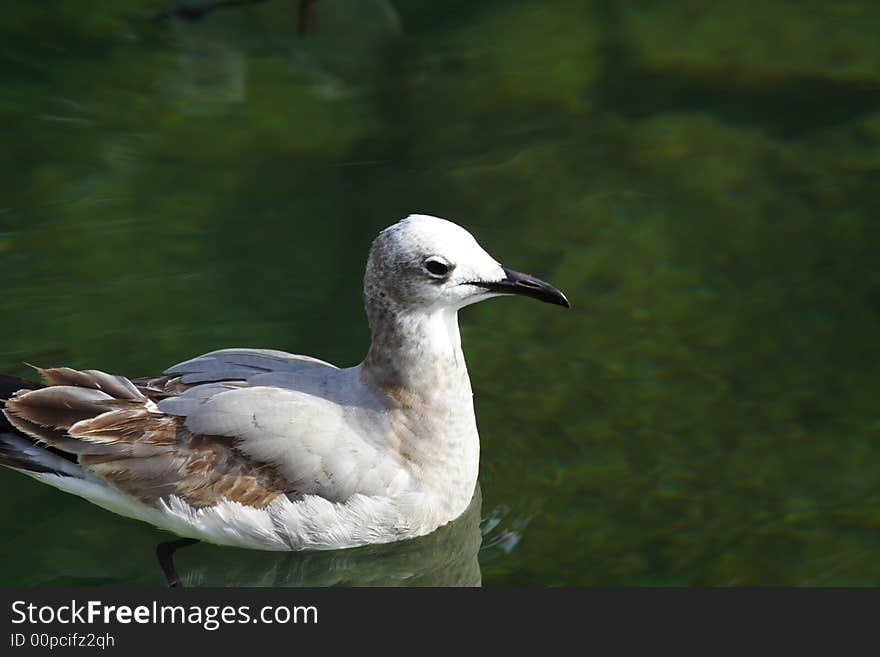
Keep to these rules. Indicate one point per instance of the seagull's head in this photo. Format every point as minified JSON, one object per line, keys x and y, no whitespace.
{"x":428,"y":262}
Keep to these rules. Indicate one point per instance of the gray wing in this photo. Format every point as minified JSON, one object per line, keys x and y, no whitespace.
{"x":242,"y":364}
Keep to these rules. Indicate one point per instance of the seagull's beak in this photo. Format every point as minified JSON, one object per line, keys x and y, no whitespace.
{"x":515,"y":282}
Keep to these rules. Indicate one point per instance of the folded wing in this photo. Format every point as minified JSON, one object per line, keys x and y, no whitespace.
{"x":114,"y":430}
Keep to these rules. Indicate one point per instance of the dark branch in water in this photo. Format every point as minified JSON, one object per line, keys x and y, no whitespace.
{"x":306,"y":17}
{"x":198,"y":12}
{"x":192,"y":13}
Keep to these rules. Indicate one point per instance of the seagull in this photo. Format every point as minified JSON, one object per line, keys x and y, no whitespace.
{"x":264,"y":449}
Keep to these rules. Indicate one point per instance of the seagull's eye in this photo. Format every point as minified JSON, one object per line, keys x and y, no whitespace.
{"x":437,"y":268}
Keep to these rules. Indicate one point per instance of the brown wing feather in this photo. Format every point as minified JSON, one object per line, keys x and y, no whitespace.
{"x":160,"y":387}
{"x":113,"y":430}
{"x":116,"y":386}
{"x":57,"y":406}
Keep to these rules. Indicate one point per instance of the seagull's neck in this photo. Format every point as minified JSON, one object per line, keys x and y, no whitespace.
{"x":418,"y":354}
{"x":416,"y":361}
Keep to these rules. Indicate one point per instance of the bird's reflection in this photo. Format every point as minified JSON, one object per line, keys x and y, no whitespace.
{"x":447,"y":557}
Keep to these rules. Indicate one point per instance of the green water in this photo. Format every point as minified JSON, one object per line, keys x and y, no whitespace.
{"x":700,"y":179}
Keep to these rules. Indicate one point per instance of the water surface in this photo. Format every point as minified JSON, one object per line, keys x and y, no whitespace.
{"x":700,"y":180}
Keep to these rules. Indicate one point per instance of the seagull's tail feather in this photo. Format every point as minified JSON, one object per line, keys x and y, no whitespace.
{"x":87,"y":424}
{"x":22,"y":452}
{"x":97,"y":435}
{"x":9,"y":385}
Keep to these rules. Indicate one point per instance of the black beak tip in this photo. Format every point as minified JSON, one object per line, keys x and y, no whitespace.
{"x":516,"y":282}
{"x":558,"y":299}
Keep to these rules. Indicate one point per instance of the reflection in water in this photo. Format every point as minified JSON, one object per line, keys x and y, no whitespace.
{"x":213,"y":55}
{"x":502,"y":530}
{"x":213,"y":72}
{"x":447,"y":557}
